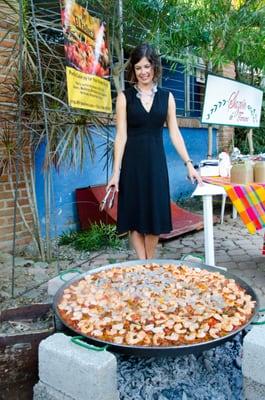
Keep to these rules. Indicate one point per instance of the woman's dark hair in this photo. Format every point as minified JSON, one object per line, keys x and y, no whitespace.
{"x":144,"y":50}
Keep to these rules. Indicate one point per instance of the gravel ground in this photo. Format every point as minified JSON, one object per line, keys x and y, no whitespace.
{"x":213,"y":375}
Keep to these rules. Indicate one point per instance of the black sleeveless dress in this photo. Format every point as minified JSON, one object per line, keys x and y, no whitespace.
{"x":143,"y":198}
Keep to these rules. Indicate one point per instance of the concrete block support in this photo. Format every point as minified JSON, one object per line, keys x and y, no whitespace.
{"x":253,"y":390}
{"x":76,"y":372}
{"x":46,"y":392}
{"x":253,"y":364}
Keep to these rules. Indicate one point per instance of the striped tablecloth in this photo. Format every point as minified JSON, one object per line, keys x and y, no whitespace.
{"x":248,"y":200}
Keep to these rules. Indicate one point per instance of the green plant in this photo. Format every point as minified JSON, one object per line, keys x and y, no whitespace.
{"x":112,"y":260}
{"x":99,"y":236}
{"x":67,"y":238}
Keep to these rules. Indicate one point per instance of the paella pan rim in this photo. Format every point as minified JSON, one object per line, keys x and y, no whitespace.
{"x":156,"y":350}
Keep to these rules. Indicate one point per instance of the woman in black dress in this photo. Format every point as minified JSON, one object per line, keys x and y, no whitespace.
{"x":140,"y":171}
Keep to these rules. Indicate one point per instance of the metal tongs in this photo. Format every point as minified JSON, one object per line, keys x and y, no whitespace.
{"x":108,"y":200}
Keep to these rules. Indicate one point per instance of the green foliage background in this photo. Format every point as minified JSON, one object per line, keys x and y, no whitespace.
{"x":258,"y":137}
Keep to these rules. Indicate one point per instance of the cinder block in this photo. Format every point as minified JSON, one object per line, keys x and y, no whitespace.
{"x":54,"y":284}
{"x":79,"y":373}
{"x":42,"y":391}
{"x":253,"y":362}
{"x":253,"y":390}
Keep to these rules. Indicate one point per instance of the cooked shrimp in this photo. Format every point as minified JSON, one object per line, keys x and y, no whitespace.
{"x":173,"y":336}
{"x":240,"y":316}
{"x":205,"y":327}
{"x":169,"y":323}
{"x":199,"y":309}
{"x":135,"y":327}
{"x":77,"y":316}
{"x":178,"y":328}
{"x":111,"y":332}
{"x":190,"y":337}
{"x":218,"y":317}
{"x":158,"y":338}
{"x":193,"y":327}
{"x":135,"y":337}
{"x":231,"y":297}
{"x":147,"y":341}
{"x":118,"y":339}
{"x":85,"y":326}
{"x":96,"y":333}
{"x":157,"y":329}
{"x":213,"y":332}
{"x":161,"y":316}
{"x":200,"y":334}
{"x":118,"y":327}
{"x":148,"y":327}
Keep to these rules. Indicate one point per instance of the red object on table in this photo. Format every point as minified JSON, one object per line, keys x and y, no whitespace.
{"x":88,"y":200}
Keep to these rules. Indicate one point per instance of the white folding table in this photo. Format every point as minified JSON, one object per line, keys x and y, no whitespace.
{"x":207,"y":191}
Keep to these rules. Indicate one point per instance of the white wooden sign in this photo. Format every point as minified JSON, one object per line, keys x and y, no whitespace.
{"x":228,"y":102}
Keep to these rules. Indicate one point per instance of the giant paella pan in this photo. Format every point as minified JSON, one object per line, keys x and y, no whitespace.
{"x":156,"y":307}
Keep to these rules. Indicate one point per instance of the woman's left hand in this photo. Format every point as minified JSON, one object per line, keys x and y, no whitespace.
{"x":193,"y":174}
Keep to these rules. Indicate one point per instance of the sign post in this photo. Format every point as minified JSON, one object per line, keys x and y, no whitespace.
{"x":229,"y":102}
{"x":226,"y":102}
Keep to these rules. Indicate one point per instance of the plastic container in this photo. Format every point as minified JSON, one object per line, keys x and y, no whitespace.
{"x":259,"y":172}
{"x":224,"y":164}
{"x":242,"y":173}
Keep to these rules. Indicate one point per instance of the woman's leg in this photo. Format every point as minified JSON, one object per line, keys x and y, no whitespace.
{"x":150,"y":242}
{"x":138,"y":242}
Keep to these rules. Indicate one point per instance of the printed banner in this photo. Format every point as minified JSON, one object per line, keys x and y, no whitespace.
{"x":228,"y":102}
{"x":87,"y":91}
{"x":87,"y":59}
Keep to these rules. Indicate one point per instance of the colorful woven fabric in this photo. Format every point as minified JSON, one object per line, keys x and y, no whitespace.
{"x":249,"y":201}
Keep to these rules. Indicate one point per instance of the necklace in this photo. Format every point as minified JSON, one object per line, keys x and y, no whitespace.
{"x":141,"y":93}
{"x":146,"y":98}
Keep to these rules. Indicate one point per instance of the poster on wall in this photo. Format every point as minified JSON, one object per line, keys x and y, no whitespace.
{"x":229,"y":102}
{"x":87,"y":59}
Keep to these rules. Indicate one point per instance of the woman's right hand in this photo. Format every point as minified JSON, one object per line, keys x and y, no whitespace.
{"x":114,"y":181}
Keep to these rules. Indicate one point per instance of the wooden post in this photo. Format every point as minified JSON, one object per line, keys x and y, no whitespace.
{"x":250,"y":141}
{"x":210,"y":142}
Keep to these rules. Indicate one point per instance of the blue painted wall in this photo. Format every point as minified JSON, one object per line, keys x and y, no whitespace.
{"x":173,"y":80}
{"x":65,"y":181}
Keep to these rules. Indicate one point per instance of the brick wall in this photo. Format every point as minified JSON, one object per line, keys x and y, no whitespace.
{"x":8,"y":113}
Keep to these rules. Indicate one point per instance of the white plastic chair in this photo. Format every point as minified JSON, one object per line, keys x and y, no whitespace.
{"x":234,"y":212}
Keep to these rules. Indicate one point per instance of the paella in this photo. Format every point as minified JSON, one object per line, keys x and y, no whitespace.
{"x":155,"y":305}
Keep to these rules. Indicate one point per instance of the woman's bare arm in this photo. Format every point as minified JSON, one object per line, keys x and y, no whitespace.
{"x":120,"y":140}
{"x":177,"y":139}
